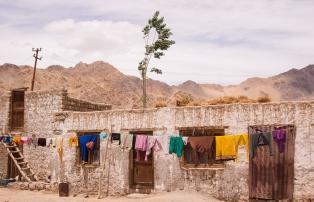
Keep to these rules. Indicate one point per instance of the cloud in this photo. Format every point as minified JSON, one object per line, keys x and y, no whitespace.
{"x":217,"y":41}
{"x":89,"y":37}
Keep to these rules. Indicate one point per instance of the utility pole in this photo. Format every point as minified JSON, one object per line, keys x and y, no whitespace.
{"x":36,"y":58}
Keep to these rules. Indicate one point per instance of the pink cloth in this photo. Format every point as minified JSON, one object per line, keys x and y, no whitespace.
{"x":140,"y":145}
{"x":153,"y":142}
{"x":26,"y":140}
{"x":141,"y":142}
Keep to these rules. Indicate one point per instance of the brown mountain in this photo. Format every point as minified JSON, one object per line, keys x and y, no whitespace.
{"x":101,"y":82}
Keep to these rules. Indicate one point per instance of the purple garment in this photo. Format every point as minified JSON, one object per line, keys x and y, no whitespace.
{"x":279,"y":136}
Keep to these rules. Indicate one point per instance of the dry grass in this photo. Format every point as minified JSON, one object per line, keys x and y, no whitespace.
{"x":187,"y":100}
{"x":230,"y":100}
{"x":263,"y":99}
{"x":160,"y":104}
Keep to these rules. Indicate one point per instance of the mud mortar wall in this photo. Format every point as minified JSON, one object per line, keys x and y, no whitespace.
{"x":230,"y":183}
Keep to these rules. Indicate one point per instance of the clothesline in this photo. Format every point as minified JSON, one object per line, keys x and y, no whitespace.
{"x":226,"y":146}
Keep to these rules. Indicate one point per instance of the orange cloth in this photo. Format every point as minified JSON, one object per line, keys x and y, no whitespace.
{"x":73,"y":141}
{"x":17,"y":140}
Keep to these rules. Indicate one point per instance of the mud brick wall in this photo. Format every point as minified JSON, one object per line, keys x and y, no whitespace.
{"x":230,"y":183}
{"x":72,"y":104}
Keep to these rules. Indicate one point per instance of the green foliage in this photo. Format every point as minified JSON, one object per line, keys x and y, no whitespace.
{"x":157,"y":41}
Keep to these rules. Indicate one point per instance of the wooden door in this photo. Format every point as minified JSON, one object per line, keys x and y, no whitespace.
{"x":271,"y":177}
{"x":142,"y":171}
{"x":17,"y":110}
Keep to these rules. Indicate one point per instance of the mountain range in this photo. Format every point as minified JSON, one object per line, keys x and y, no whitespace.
{"x":101,"y":82}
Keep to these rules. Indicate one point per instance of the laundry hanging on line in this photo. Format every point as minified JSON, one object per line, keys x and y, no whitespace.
{"x":103,"y":135}
{"x":116,"y":137}
{"x":260,"y":139}
{"x":227,"y":146}
{"x":126,"y":141}
{"x":73,"y":141}
{"x":59,"y":144}
{"x":51,"y":142}
{"x":140,"y":145}
{"x":87,"y":143}
{"x":279,"y":136}
{"x":176,"y":145}
{"x":153,"y":142}
{"x":201,"y":144}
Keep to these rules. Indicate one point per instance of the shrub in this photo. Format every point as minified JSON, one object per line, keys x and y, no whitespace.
{"x":184,"y":100}
{"x":263,"y":99}
{"x":160,"y":104}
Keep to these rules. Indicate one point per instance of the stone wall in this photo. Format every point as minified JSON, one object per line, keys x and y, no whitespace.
{"x":4,"y":127}
{"x":4,"y":112}
{"x":40,"y":120}
{"x":40,"y":107}
{"x":230,"y":183}
{"x":3,"y":162}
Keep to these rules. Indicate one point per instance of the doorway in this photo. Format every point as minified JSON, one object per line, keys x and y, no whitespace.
{"x":271,"y":177}
{"x":142,"y":170}
{"x":16,"y":124}
{"x":17,"y":110}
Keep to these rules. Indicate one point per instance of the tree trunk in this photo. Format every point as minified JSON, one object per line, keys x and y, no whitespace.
{"x":144,"y":90}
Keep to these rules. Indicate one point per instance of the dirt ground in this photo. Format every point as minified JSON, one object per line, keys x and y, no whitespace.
{"x":12,"y":195}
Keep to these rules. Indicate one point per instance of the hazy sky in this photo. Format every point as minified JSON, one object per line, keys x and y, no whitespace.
{"x":217,"y":41}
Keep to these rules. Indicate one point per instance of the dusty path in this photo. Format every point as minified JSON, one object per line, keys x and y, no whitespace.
{"x":11,"y":195}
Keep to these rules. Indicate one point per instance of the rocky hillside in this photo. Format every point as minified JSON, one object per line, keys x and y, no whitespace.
{"x":101,"y":82}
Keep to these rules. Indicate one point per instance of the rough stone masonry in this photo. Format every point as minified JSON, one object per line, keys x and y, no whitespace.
{"x":46,"y":116}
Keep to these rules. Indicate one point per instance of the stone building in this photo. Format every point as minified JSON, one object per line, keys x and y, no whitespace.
{"x":54,"y":114}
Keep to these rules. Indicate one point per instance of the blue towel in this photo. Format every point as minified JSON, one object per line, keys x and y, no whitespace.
{"x":90,"y":137}
{"x":7,"y":139}
{"x":102,"y":136}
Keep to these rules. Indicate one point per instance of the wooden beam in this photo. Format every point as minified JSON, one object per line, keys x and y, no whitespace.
{"x":142,"y":129}
{"x":202,"y":127}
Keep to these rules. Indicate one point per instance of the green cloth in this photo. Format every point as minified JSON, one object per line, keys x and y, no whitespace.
{"x":176,"y":145}
{"x":260,"y":139}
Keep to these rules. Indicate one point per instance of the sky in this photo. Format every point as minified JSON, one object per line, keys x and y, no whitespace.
{"x":217,"y":41}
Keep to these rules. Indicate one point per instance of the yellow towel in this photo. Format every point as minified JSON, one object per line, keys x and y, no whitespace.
{"x":242,"y":139}
{"x":227,"y":146}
